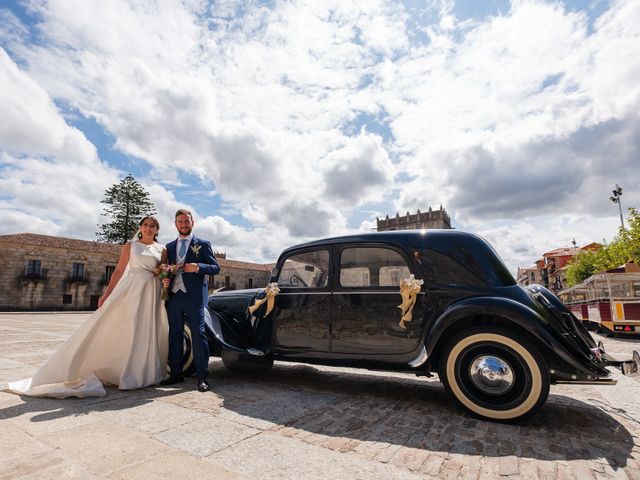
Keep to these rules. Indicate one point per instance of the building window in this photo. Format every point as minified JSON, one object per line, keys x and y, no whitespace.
{"x":33,"y":268}
{"x":227,"y":281}
{"x":108,"y":272}
{"x":77,"y":272}
{"x":250,"y":284}
{"x":533,"y":276}
{"x":67,"y":299}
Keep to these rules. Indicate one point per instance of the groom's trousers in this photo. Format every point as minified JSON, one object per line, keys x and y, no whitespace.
{"x":178,"y":305}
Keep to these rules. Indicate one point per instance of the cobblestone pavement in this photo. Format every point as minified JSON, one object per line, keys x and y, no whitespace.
{"x":302,"y":421}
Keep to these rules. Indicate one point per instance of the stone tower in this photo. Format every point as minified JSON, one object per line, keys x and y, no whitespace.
{"x":431,"y":219}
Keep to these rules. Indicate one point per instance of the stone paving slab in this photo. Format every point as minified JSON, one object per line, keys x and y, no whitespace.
{"x":275,"y":457}
{"x":303,"y":421}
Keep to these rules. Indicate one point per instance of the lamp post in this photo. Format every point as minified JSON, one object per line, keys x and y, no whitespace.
{"x":615,"y":198}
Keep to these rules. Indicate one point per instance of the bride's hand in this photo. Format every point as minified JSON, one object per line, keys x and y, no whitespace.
{"x":102,"y":299}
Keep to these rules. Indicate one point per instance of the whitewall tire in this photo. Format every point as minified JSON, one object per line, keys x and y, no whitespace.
{"x":495,"y":375}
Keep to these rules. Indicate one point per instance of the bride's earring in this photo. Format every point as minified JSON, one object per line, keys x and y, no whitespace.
{"x":139,"y":234}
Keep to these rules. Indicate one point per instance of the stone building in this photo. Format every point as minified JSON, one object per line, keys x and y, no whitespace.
{"x":235,"y":274}
{"x":43,"y":272}
{"x":430,"y":219}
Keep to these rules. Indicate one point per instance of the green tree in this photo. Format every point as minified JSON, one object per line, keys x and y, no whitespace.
{"x":126,"y":203}
{"x":581,"y":267}
{"x":633,"y":235}
{"x":625,"y":247}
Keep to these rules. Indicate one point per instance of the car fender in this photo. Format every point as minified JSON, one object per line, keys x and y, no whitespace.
{"x":511,"y":311}
{"x":214,"y":332}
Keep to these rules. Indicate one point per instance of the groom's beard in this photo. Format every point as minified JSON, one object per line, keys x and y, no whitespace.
{"x":184,"y":232}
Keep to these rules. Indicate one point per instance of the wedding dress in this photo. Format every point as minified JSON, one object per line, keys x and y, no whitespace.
{"x":124,"y":343}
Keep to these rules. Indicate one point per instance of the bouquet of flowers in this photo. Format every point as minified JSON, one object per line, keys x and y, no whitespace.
{"x":163,"y":271}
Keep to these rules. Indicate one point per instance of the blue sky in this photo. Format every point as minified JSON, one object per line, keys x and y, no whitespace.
{"x":277,"y":122}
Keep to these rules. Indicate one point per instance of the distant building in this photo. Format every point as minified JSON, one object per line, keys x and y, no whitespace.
{"x":550,"y":270}
{"x":528,"y":276}
{"x":43,"y":272}
{"x":235,"y":274}
{"x":431,"y":219}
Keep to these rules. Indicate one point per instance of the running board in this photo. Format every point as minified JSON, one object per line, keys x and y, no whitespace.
{"x":604,"y":381}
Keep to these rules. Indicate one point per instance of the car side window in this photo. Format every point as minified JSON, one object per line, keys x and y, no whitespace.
{"x":306,"y":270}
{"x":372,"y":267}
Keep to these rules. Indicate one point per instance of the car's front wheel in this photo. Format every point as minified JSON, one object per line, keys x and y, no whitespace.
{"x":494,"y":375}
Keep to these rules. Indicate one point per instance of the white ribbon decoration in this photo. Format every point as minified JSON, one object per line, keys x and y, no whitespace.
{"x":270,"y":291}
{"x":409,"y":289}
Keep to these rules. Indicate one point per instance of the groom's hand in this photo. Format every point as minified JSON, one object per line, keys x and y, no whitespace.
{"x":191,"y":267}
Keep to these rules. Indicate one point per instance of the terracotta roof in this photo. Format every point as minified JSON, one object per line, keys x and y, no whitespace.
{"x":591,"y":246}
{"x":561,"y":252}
{"x":61,"y":242}
{"x":226,"y":263}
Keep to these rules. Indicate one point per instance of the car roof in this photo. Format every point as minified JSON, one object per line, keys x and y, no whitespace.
{"x":394,"y":236}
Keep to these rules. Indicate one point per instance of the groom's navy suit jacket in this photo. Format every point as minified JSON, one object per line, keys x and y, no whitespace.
{"x":199,"y":251}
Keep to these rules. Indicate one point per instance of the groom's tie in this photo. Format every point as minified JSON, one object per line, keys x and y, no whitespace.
{"x":183,"y":247}
{"x":178,"y":281}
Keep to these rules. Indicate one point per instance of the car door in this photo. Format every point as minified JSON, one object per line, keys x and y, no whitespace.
{"x":366,"y":317}
{"x":303,"y":306}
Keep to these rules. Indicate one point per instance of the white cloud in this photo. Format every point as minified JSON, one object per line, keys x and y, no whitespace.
{"x":359,"y":172}
{"x":523,"y":115}
{"x":51,"y":178}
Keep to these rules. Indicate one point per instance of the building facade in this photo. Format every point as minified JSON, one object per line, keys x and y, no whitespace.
{"x":43,"y":272}
{"x":550,"y":270}
{"x":430,"y":219}
{"x":235,"y":274}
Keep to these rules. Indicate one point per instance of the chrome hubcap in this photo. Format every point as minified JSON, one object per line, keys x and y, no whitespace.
{"x":491,"y":375}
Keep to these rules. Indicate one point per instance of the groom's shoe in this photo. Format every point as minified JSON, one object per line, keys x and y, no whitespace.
{"x":172,"y":380}
{"x":203,"y":385}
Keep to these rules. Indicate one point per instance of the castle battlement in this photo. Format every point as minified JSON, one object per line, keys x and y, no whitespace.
{"x":429,"y":219}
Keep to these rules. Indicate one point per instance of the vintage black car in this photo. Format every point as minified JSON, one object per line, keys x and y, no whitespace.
{"x":496,"y":346}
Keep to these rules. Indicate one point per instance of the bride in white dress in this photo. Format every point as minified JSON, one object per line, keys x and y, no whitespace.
{"x":124,"y":343}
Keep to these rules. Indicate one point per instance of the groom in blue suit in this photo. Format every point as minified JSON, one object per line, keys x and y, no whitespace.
{"x":188,"y":296}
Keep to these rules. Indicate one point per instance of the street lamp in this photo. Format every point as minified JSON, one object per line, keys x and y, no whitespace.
{"x":617,"y":193}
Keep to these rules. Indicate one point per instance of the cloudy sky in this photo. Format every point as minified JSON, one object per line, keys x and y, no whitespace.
{"x":282,"y":121}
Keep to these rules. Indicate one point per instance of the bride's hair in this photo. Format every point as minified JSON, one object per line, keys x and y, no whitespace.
{"x":154,"y":220}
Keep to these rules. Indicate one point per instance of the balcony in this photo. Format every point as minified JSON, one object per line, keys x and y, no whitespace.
{"x":34,"y":277}
{"x":76,"y":280}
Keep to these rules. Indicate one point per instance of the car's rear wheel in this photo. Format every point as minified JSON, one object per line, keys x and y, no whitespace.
{"x":240,"y":362}
{"x":494,"y":375}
